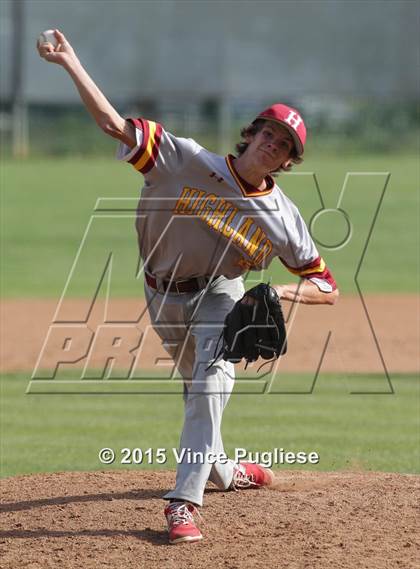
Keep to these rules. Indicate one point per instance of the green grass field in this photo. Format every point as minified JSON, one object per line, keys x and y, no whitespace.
{"x":47,"y":205}
{"x":43,"y":433}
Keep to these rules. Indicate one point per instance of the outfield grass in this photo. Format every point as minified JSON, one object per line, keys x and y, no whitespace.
{"x":44,"y":433}
{"x":47,"y":205}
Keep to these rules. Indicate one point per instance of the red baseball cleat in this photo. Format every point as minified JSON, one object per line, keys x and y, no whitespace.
{"x":250,"y":475}
{"x":181,"y":525}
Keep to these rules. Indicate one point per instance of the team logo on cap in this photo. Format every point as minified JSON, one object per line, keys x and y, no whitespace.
{"x":293,"y":119}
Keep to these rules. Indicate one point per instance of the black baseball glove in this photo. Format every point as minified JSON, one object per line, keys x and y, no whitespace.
{"x":255,"y":327}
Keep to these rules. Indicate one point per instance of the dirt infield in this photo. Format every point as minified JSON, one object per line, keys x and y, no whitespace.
{"x":353,"y":346}
{"x":115,"y":519}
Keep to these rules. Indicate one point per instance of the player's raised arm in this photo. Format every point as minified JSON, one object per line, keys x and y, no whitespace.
{"x":107,"y":118}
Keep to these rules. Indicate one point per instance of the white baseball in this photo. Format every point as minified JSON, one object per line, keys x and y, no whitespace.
{"x":48,"y":37}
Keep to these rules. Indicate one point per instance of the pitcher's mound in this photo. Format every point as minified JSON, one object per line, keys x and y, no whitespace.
{"x":115,"y":519}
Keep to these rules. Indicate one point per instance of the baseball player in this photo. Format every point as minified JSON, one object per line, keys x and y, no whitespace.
{"x":203,"y":221}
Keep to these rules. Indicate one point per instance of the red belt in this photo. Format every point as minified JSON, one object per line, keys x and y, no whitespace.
{"x":190,"y":285}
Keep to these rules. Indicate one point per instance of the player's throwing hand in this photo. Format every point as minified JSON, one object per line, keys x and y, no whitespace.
{"x":60,"y":53}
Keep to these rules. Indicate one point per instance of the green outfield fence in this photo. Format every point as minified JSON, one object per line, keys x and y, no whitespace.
{"x":354,"y":127}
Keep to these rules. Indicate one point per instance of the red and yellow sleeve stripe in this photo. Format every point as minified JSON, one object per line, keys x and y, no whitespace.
{"x":145,"y":157}
{"x":316,"y":268}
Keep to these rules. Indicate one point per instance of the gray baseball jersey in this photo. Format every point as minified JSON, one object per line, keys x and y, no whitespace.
{"x":197,"y":217}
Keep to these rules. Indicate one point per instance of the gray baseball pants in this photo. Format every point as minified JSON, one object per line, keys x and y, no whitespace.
{"x":189,"y":326}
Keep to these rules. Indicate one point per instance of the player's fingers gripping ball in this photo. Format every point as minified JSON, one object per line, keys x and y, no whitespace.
{"x":53,"y":46}
{"x":48,"y":37}
{"x":255,"y":327}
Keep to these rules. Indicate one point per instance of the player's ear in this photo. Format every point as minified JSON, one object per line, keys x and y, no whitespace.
{"x":287,"y":163}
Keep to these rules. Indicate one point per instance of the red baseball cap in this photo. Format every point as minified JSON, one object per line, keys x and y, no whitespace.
{"x":291,"y":119}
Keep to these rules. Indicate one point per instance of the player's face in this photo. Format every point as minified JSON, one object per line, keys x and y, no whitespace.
{"x":271,"y":147}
